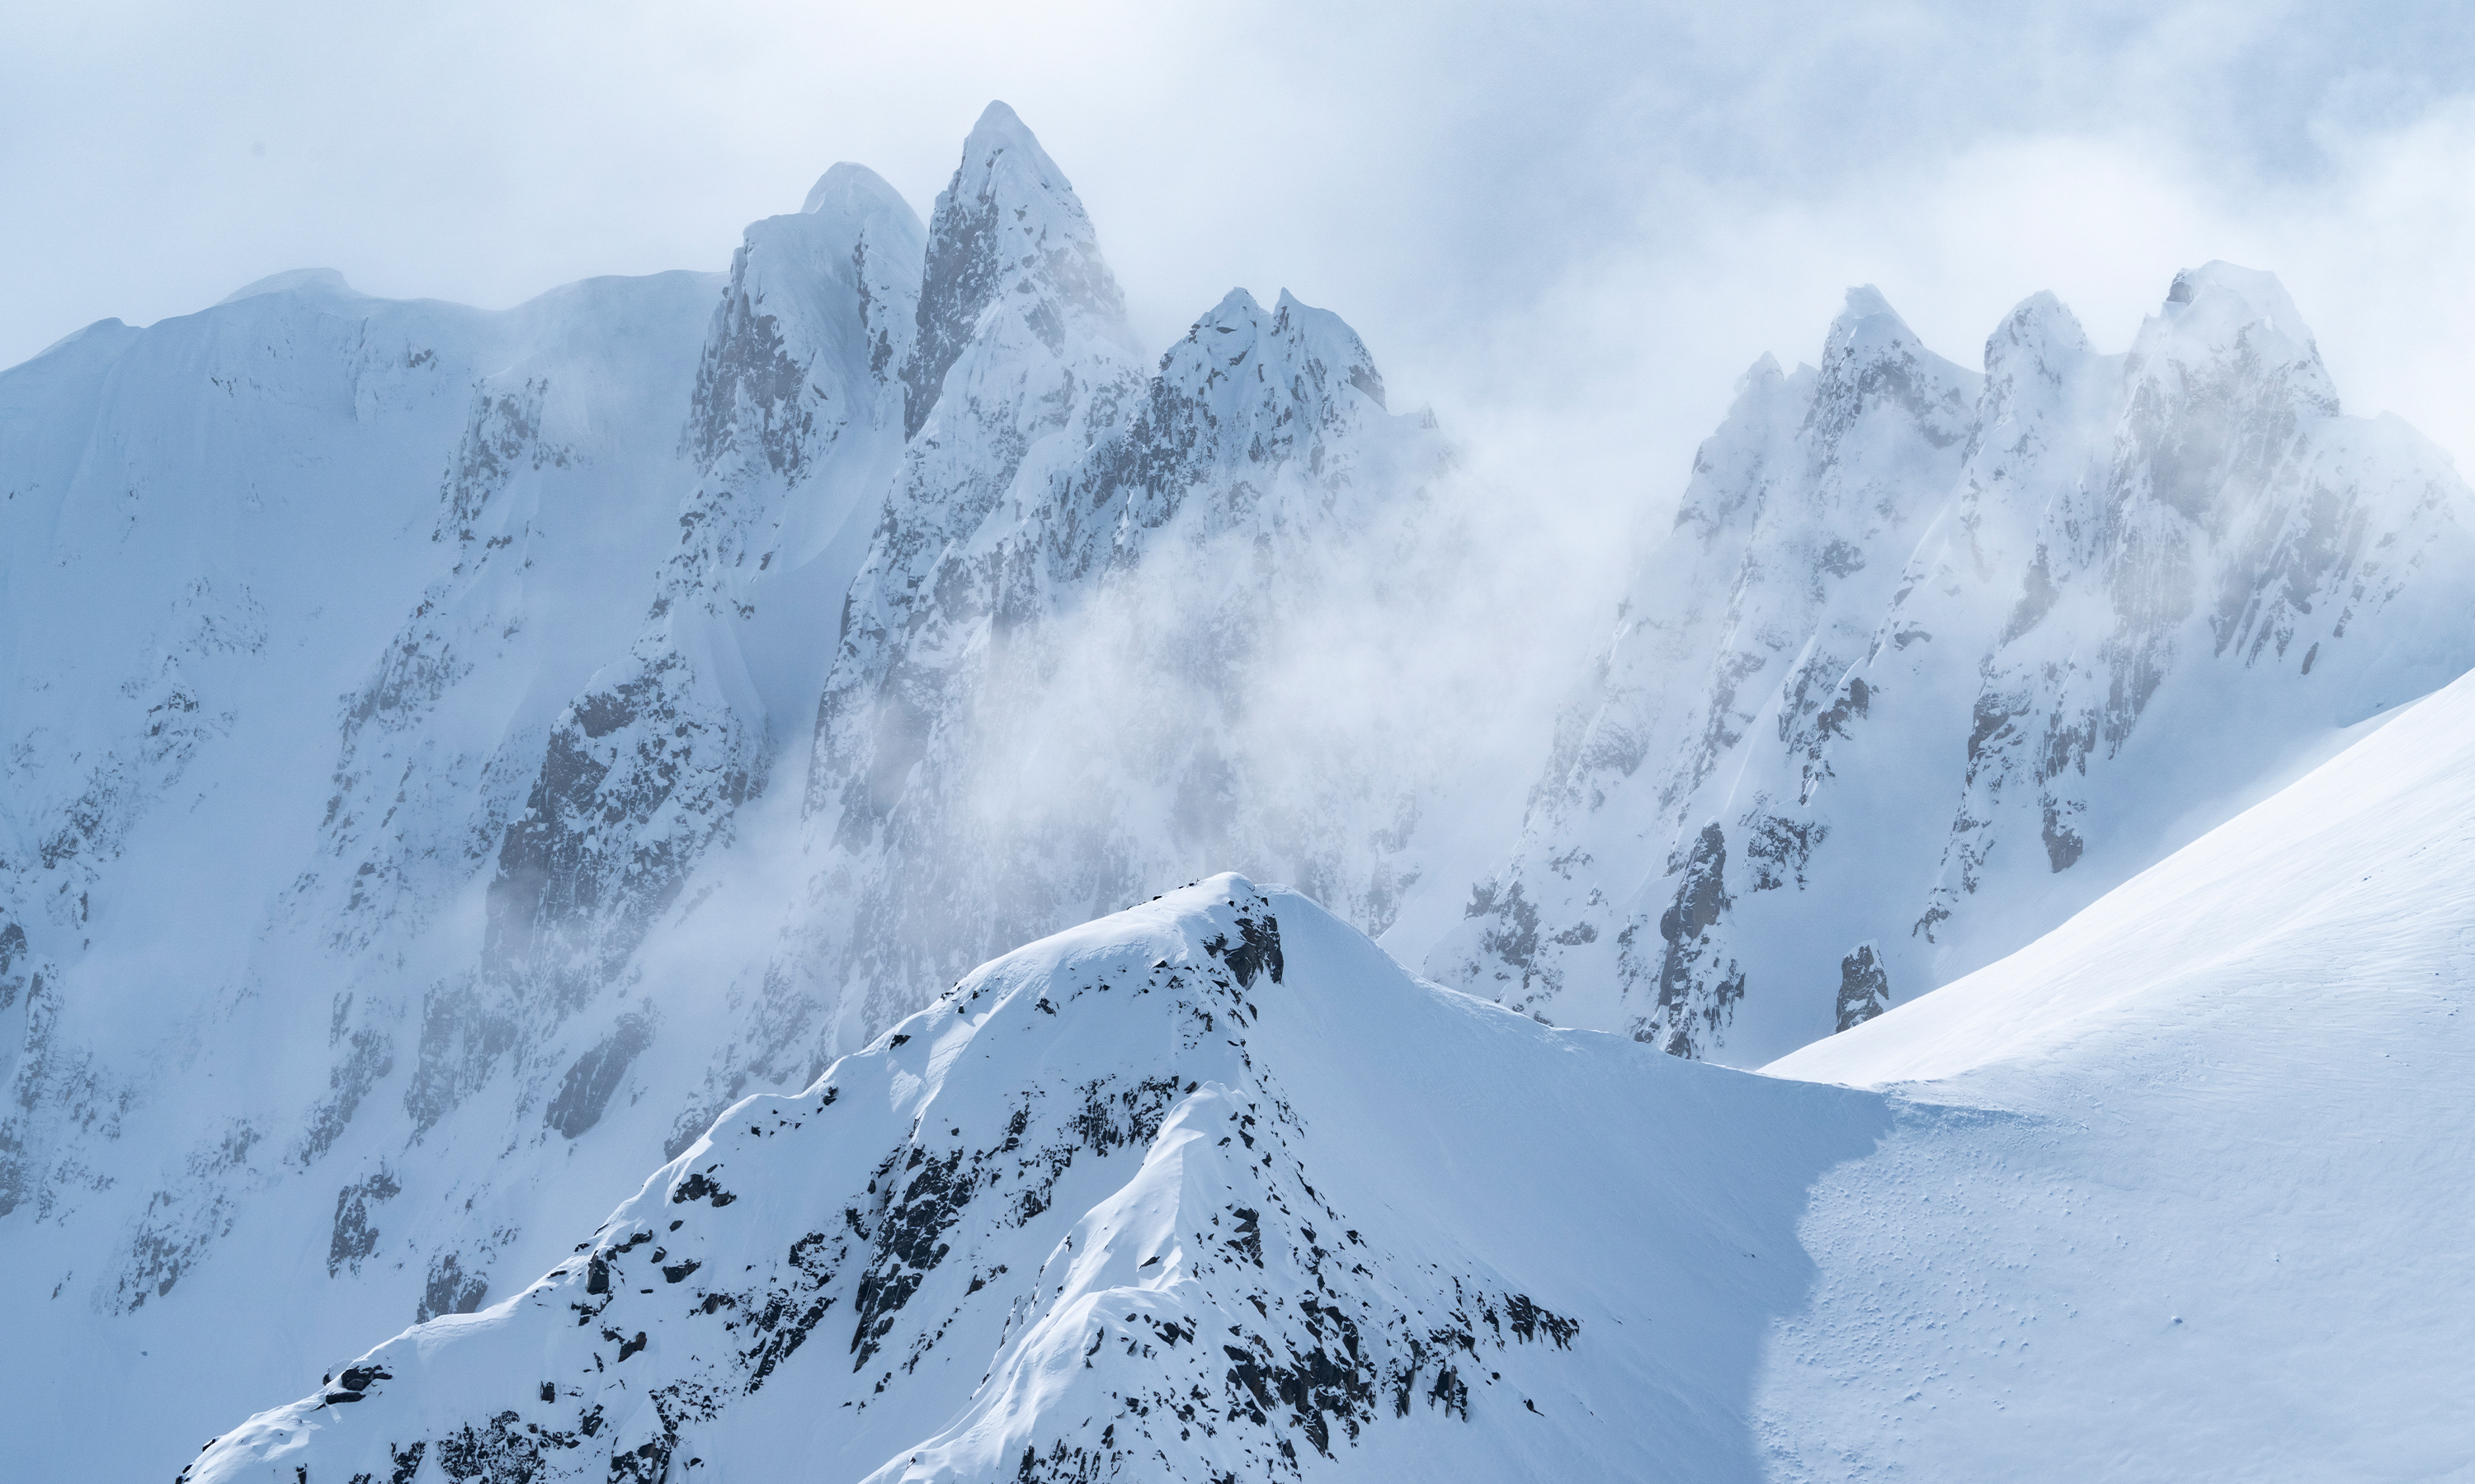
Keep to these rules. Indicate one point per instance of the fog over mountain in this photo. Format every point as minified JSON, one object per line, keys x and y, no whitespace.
{"x":826,"y":731}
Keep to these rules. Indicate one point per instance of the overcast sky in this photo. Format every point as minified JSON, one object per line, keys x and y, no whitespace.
{"x":1569,"y":226}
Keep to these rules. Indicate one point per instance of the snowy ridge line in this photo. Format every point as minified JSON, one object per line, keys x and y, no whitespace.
{"x":1085,"y":1215}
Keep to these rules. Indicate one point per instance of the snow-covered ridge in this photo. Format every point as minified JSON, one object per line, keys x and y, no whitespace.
{"x":2181,"y":1165}
{"x":1209,"y":1188}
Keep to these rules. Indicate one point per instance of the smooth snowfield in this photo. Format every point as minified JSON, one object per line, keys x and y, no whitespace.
{"x":2195,"y":1203}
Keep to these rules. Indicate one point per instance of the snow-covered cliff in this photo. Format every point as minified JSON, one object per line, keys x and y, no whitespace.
{"x":1931,"y":659}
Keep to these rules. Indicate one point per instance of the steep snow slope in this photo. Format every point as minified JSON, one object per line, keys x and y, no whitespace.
{"x":795,"y":424}
{"x":258,"y":488}
{"x":2178,"y":1193}
{"x":1930,"y":661}
{"x":1208,"y":1189}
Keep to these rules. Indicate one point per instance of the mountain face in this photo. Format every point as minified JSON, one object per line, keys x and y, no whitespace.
{"x":150,"y":736}
{"x":1211,"y":1188}
{"x":453,"y":753}
{"x":1931,"y":659}
{"x":1035,"y":715}
{"x":794,"y":420}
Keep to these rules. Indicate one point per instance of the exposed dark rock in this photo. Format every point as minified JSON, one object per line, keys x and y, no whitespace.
{"x":1864,"y":988}
{"x":450,"y":1289}
{"x":356,"y":1236}
{"x":597,"y":1075}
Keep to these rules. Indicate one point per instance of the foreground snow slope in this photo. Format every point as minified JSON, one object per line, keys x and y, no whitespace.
{"x":1208,"y":1189}
{"x":2195,"y":1206}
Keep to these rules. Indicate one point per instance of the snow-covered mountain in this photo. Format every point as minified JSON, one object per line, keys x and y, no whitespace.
{"x":453,"y":756}
{"x":453,"y":753}
{"x":1213,"y":1189}
{"x":1933,"y":658}
{"x":1058,"y":677}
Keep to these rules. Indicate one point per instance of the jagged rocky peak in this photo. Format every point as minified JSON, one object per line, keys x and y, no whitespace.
{"x":1873,"y":360}
{"x":2040,"y":331}
{"x":1279,"y":411}
{"x":817,"y":321}
{"x":1248,"y":379}
{"x":2241,"y":322}
{"x":1298,"y":337}
{"x":2222,"y":380}
{"x":2038,"y":367}
{"x":1009,"y":227}
{"x":2043,"y":421}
